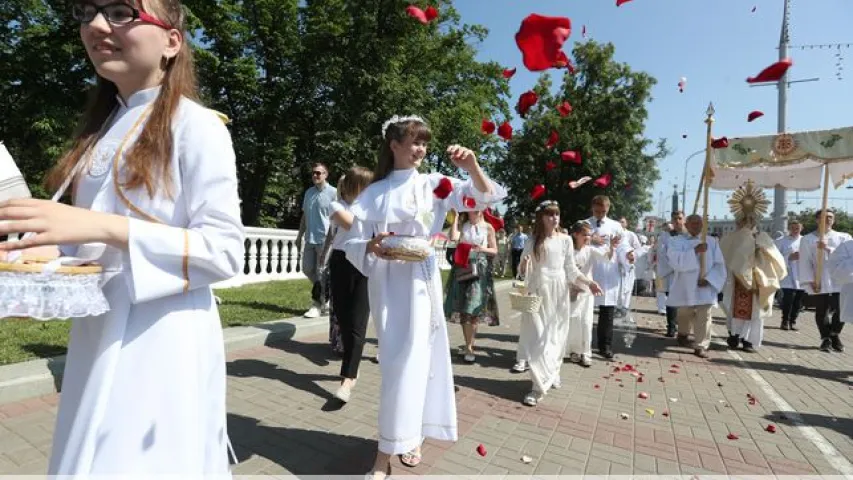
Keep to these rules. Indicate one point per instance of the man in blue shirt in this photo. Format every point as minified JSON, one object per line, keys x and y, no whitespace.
{"x":316,"y":208}
{"x":516,"y":245}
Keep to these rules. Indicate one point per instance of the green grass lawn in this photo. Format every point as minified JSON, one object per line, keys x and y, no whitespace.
{"x":25,"y":339}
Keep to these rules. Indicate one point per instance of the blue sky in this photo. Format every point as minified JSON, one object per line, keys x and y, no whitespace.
{"x":716,"y":44}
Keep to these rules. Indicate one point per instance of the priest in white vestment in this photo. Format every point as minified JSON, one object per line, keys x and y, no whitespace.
{"x":631,"y":248}
{"x":694,"y":295}
{"x":826,"y":301}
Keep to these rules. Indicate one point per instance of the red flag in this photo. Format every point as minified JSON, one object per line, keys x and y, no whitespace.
{"x":541,"y":40}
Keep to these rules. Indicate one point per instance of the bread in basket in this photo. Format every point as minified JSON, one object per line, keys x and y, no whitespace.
{"x":407,"y":248}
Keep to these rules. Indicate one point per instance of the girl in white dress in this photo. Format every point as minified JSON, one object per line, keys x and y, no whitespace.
{"x":155,"y":203}
{"x":416,"y":397}
{"x":579,"y":344}
{"x":550,"y":270}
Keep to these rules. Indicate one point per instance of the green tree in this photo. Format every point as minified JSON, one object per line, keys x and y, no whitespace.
{"x":606,"y":127}
{"x":313,"y":81}
{"x":43,"y":80}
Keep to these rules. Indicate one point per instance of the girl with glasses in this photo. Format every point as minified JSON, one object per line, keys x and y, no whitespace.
{"x":154,"y":201}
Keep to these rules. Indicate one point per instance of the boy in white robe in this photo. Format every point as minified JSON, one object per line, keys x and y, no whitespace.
{"x":579,"y":338}
{"x":792,"y":294}
{"x":693,"y":294}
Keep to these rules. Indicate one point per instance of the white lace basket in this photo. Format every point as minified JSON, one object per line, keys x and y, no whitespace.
{"x":50,"y":290}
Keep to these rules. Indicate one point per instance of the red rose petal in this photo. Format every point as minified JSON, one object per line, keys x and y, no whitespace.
{"x":721,"y":142}
{"x":603,"y":181}
{"x":583,"y":31}
{"x":619,"y":3}
{"x":509,"y":72}
{"x":549,"y":165}
{"x":753,"y":9}
{"x":665,"y":413}
{"x":628,"y":367}
{"x":753,"y":115}
{"x":526,"y":101}
{"x":564,"y":108}
{"x":481,"y":450}
{"x":487,"y":127}
{"x":771,"y":428}
{"x":773,"y":73}
{"x":495,"y":221}
{"x":541,"y":39}
{"x":553,"y":138}
{"x":596,"y":386}
{"x":417,"y":14}
{"x":640,"y":379}
{"x":732,"y":436}
{"x":675,"y":365}
{"x":571,"y":156}
{"x":469,"y":202}
{"x":505,"y":131}
{"x":538,"y":191}
{"x":431,"y":13}
{"x":643,"y":395}
{"x":445,"y":186}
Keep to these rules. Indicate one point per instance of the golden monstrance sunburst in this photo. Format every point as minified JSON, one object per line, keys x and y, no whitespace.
{"x":748,"y":202}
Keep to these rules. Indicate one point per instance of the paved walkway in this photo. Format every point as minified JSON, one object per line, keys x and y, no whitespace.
{"x":282,"y":418}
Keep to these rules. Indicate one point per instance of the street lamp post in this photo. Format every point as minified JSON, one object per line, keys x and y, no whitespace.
{"x":684,"y":184}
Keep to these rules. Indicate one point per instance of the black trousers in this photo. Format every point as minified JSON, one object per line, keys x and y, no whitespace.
{"x":605,"y":328}
{"x":827,"y":314}
{"x":792,"y":303}
{"x":672,"y":320}
{"x":516,"y":259}
{"x":352,"y":309}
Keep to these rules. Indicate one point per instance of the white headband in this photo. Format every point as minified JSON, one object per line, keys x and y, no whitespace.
{"x":396,"y":119}
{"x":546,"y":203}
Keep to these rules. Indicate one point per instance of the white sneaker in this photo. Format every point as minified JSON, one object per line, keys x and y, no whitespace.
{"x":313,"y":312}
{"x":520,"y":366}
{"x":531,"y":399}
{"x":558,"y":383}
{"x":585,"y":361}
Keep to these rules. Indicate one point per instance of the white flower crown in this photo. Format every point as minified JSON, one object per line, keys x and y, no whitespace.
{"x":396,"y":119}
{"x":546,"y":203}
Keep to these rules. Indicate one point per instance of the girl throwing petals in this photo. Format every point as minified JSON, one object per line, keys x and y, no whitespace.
{"x":416,"y":397}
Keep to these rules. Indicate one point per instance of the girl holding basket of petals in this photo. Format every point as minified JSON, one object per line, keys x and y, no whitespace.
{"x":399,"y":212}
{"x":155,"y":203}
{"x":548,"y":264}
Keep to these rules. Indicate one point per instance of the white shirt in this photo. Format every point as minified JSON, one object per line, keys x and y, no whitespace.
{"x":808,"y":260}
{"x":606,"y":273}
{"x":339,"y":233}
{"x":788,"y":245}
{"x":684,"y":290}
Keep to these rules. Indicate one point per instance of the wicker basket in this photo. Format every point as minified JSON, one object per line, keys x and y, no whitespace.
{"x":407,"y":248}
{"x":30,"y":289}
{"x":524,"y":302}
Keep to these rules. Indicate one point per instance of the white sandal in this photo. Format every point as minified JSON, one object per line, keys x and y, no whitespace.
{"x":531,"y":399}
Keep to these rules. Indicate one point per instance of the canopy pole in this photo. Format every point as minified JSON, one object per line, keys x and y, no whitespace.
{"x":699,"y":193}
{"x":706,"y":182}
{"x":821,"y":228}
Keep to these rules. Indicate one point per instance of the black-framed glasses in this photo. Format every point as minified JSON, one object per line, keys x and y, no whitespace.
{"x":118,"y":13}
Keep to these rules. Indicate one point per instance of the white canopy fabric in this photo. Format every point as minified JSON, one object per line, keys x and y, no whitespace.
{"x":792,"y":160}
